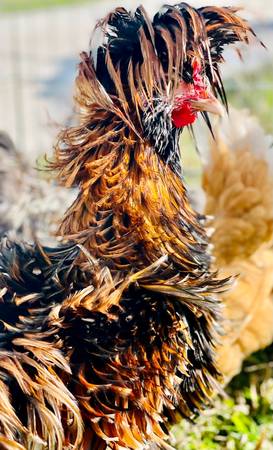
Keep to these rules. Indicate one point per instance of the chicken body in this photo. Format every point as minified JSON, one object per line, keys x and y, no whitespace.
{"x":110,"y":336}
{"x":83,"y":340}
{"x":238,"y":182}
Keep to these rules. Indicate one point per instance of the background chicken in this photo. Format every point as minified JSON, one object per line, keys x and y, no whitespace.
{"x":30,"y":204}
{"x":238,"y":183}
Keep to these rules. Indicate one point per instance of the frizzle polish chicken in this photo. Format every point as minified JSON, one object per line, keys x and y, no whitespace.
{"x":109,"y":337}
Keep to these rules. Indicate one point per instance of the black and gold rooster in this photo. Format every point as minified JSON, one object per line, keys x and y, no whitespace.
{"x":110,"y":336}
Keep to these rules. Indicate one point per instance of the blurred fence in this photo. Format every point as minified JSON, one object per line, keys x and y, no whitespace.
{"x":38,"y":56}
{"x":38,"y":61}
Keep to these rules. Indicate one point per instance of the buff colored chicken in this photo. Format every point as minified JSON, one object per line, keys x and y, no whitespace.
{"x":238,"y":182}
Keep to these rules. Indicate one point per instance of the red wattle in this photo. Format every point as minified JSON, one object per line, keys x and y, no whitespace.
{"x":183,"y":116}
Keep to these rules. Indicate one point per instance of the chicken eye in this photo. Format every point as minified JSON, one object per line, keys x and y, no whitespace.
{"x":187,"y":76}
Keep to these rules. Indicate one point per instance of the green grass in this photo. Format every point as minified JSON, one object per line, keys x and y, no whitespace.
{"x":25,"y":5}
{"x":242,"y":421}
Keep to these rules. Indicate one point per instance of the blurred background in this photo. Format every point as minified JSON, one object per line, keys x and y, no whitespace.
{"x":40,"y":42}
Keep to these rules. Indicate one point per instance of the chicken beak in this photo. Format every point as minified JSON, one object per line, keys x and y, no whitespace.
{"x":210,"y":104}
